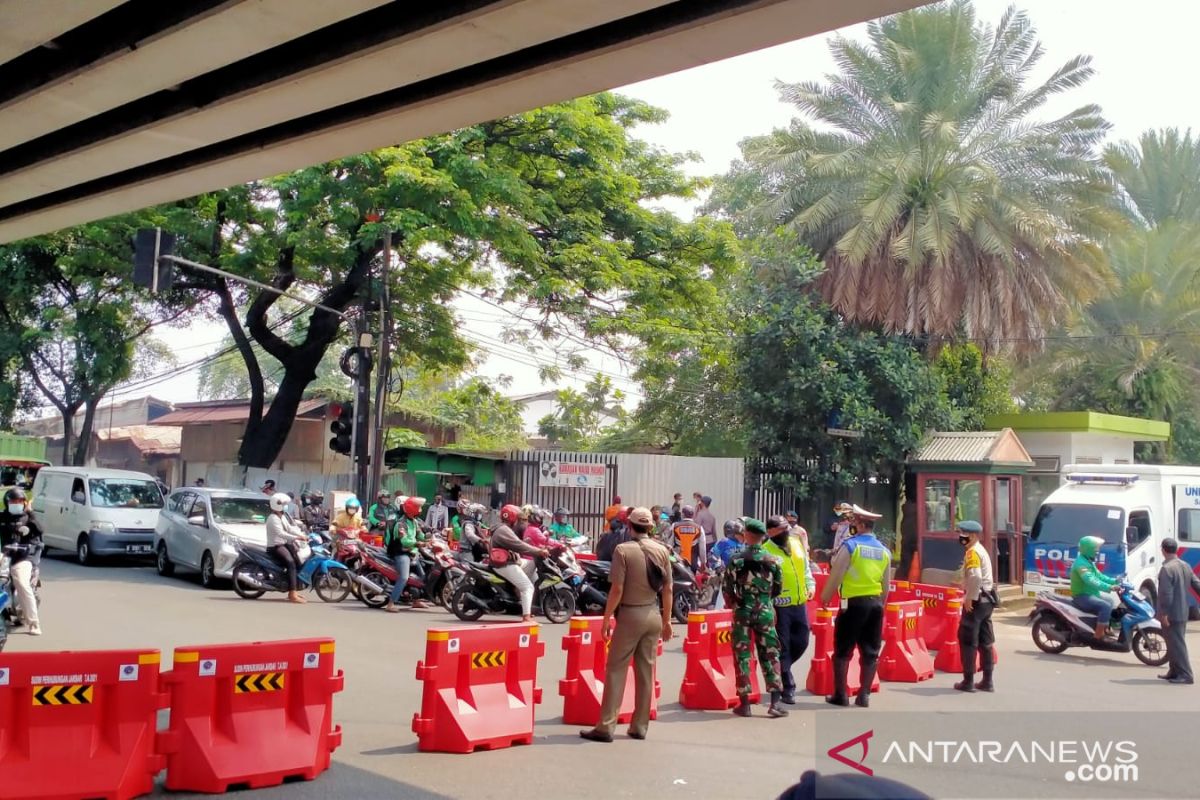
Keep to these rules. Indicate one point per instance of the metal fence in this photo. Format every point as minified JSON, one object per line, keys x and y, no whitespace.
{"x":523,"y":484}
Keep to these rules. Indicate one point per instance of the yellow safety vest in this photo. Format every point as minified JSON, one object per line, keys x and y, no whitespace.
{"x":795,"y":588}
{"x":869,"y":562}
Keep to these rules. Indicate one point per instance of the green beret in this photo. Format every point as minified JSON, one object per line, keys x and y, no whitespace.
{"x":755,"y":526}
{"x":969,"y":526}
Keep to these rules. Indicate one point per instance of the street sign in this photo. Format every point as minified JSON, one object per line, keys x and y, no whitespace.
{"x":844,"y":433}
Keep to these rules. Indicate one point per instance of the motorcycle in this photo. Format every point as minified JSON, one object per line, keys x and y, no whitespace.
{"x":256,"y":572}
{"x":708,"y":583}
{"x":685,"y":596}
{"x":1058,"y":624}
{"x":448,"y":568}
{"x":485,"y":591}
{"x":378,"y":574}
{"x":588,"y":598}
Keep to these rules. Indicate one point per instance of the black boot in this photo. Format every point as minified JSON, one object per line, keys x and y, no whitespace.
{"x":743,"y":708}
{"x":841,"y":666}
{"x":776,"y":710}
{"x":967,"y":684}
{"x":987,"y":660}
{"x":866,"y":676}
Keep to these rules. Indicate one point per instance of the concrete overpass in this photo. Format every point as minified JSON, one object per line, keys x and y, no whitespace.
{"x":108,"y":106}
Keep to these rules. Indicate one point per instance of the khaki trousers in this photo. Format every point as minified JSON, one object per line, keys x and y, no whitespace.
{"x":636,"y":638}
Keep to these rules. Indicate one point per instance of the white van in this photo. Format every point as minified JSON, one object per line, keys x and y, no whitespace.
{"x":1133,"y":507}
{"x":97,"y":512}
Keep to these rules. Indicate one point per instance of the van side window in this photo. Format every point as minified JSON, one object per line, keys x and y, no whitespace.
{"x":1189,"y":525}
{"x":78,"y":494}
{"x":1139,"y":520}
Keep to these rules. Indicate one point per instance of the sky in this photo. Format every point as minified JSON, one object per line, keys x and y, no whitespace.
{"x":1144,"y":54}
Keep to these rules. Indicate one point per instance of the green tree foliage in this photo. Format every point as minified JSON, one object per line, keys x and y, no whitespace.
{"x":801,"y":367}
{"x":545,"y":208}
{"x":486,"y":420}
{"x":580,"y":416}
{"x":975,"y":388}
{"x":69,"y":320}
{"x":937,"y":201}
{"x":1159,"y":176}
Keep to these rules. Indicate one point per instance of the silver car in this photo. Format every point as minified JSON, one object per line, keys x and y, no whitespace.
{"x":199,"y":528}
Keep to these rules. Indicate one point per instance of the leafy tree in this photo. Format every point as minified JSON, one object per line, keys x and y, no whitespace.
{"x":975,"y":388}
{"x":801,"y":369}
{"x":71,"y":319}
{"x":579,"y":417}
{"x":1159,"y":176}
{"x":487,"y":421}
{"x":544,"y":208}
{"x":938,"y":203}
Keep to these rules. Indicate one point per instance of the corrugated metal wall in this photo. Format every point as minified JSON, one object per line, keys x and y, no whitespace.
{"x":522,"y":485}
{"x":652,"y":479}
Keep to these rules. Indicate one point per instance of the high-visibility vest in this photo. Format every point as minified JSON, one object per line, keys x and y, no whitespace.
{"x":795,"y":588}
{"x":869,"y":562}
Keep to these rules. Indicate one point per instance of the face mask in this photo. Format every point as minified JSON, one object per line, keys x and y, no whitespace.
{"x":16,"y":509}
{"x":964,"y":540}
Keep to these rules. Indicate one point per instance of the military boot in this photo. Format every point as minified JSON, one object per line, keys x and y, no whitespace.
{"x":776,"y":710}
{"x":987,"y":660}
{"x":967,"y":684}
{"x":841,"y":666}
{"x":866,"y":677}
{"x":743,"y":708}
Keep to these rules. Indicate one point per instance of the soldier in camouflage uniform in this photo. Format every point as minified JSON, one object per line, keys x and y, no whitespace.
{"x":752,"y":582}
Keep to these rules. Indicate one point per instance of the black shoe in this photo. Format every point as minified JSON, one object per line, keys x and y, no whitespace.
{"x":985,"y":685}
{"x":636,"y":735}
{"x":1166,"y":677}
{"x":965,"y":686}
{"x":775,"y":711}
{"x":1184,"y":681}
{"x":838,"y":700}
{"x":593,"y":735}
{"x":789,"y":698}
{"x":743,"y":709}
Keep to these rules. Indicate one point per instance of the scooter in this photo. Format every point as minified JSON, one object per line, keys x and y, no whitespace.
{"x":10,"y":610}
{"x":256,"y":572}
{"x":685,"y":595}
{"x":1058,"y":625}
{"x":485,"y":591}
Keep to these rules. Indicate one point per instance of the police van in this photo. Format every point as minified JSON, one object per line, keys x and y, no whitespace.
{"x":1132,"y":507}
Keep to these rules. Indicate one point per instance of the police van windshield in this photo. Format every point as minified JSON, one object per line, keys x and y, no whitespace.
{"x":1067,"y":524}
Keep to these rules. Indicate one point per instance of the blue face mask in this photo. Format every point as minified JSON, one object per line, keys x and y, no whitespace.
{"x":16,"y":509}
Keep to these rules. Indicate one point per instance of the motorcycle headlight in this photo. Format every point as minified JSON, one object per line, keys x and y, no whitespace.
{"x":1033,"y":577}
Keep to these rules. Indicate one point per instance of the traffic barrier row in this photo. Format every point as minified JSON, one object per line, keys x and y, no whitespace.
{"x":587,"y":664}
{"x":83,"y":724}
{"x":820,"y":669}
{"x":904,"y":657}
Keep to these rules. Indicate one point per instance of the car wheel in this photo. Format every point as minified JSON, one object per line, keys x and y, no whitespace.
{"x":83,"y":551}
{"x":208,"y":571}
{"x":163,"y":562}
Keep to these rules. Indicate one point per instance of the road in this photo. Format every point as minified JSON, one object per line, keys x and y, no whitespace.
{"x":688,"y":755}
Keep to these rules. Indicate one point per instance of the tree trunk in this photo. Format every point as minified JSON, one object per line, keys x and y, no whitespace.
{"x":68,"y":415}
{"x":262,"y":446}
{"x":85,"y":433}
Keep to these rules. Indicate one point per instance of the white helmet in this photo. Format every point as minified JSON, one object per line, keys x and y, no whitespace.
{"x":280,"y":501}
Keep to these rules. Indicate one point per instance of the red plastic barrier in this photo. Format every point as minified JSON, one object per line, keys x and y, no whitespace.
{"x":900,"y":591}
{"x":79,"y":724}
{"x":587,"y":663}
{"x":905,"y":658}
{"x":820,"y":669}
{"x":479,"y":687}
{"x":936,"y":626}
{"x":814,"y":603}
{"x":709,"y":680}
{"x":949,"y":657}
{"x":251,"y":714}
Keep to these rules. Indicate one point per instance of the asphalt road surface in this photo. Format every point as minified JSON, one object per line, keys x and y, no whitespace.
{"x":687,"y":755}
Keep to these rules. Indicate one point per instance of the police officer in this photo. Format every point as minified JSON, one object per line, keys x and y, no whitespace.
{"x":979,"y":598}
{"x":791,"y":615}
{"x":860,"y":571}
{"x":752,"y":583}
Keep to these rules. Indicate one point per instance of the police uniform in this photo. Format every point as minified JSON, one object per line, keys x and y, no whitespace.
{"x":791,"y":614}
{"x":863,"y":565}
{"x":752,"y":583}
{"x":975,"y":633}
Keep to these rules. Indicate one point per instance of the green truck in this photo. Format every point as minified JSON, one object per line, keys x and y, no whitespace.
{"x":20,"y":459}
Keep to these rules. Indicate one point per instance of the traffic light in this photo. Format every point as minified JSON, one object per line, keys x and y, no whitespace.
{"x":149,"y":269}
{"x":342,"y":427}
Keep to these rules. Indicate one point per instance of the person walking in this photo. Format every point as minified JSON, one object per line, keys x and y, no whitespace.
{"x":752,"y":583}
{"x":1174,"y":580}
{"x":708,"y":523}
{"x":641,"y":581}
{"x":791,"y":613}
{"x":860,"y":571}
{"x":975,"y":633}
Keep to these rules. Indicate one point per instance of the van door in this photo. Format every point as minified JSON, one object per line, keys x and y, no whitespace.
{"x":1139,"y":541}
{"x":48,"y":504}
{"x":79,"y":512}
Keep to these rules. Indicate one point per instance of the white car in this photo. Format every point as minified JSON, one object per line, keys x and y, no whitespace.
{"x":199,"y":528}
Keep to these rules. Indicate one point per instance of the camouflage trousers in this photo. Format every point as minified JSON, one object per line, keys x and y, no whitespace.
{"x":762,"y":628}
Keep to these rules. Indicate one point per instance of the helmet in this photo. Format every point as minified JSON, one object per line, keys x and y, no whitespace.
{"x":383,"y":493}
{"x":561,"y":512}
{"x":528,"y":511}
{"x":280,"y":501}
{"x":352,"y":504}
{"x":14,"y":495}
{"x":509,"y":514}
{"x":477,"y":510}
{"x":412,"y":506}
{"x":734,"y":527}
{"x":688,"y":512}
{"x":1089,"y":546}
{"x":463,"y":504}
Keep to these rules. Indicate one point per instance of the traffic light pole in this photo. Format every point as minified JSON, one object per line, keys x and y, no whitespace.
{"x":362,"y":413}
{"x":383,"y":372}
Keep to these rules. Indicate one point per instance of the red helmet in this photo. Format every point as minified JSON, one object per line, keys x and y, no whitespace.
{"x":412,"y":506}
{"x":509,"y":514}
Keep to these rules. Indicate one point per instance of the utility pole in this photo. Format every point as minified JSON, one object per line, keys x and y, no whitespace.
{"x":384,"y":373}
{"x":362,"y":410}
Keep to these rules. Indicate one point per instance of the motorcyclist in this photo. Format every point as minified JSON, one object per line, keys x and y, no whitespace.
{"x":1089,"y":586}
{"x":618,"y":533}
{"x":506,"y":551}
{"x":382,"y":514}
{"x":21,"y":537}
{"x":560,"y":529}
{"x":349,"y":522}
{"x":313,"y":514}
{"x":282,"y":535}
{"x":402,"y":540}
{"x":689,"y":527}
{"x":473,"y":544}
{"x":731,"y":544}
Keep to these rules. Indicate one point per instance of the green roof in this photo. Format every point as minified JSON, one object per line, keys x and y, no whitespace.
{"x":1139,"y":430}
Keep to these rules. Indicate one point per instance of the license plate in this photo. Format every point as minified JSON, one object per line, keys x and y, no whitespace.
{"x":137,"y":548}
{"x":1063,"y":592}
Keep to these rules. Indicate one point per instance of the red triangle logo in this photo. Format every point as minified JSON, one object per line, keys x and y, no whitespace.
{"x":864,"y":739}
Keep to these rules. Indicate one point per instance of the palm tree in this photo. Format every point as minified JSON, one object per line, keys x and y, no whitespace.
{"x":1159,"y":176}
{"x":938,"y":206}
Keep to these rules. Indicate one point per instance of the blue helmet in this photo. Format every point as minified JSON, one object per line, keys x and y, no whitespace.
{"x":353,"y":503}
